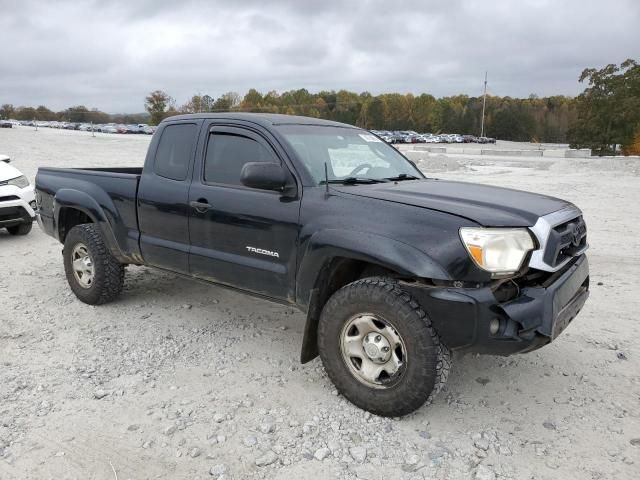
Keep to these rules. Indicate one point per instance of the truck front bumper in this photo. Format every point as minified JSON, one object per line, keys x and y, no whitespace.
{"x":473,"y":320}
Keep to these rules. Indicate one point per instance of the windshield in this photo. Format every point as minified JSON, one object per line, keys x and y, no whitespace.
{"x":347,"y":152}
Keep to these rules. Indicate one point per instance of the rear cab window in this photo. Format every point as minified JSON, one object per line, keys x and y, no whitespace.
{"x":175,"y":151}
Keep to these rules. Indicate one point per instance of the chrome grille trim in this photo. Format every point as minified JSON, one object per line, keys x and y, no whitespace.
{"x":542,"y":230}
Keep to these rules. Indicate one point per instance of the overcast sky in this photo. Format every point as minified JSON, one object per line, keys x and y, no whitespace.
{"x":109,"y":53}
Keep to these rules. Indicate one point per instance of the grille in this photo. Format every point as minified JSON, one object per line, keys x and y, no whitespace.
{"x":561,"y":235}
{"x":13,"y":213}
{"x":8,"y":198}
{"x":565,"y":241}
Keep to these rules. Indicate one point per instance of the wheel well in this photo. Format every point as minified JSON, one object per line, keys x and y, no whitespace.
{"x":334,"y":275}
{"x":70,"y":217}
{"x":342,"y":271}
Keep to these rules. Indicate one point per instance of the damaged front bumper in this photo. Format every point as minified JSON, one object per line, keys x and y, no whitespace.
{"x":473,"y":320}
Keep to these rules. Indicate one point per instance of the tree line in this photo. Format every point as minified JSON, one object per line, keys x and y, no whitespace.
{"x":538,"y":119}
{"x":76,"y":114}
{"x":604,"y":117}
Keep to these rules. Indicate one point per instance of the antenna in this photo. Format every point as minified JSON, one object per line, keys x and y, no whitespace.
{"x":484,"y":102}
{"x":326,"y":177}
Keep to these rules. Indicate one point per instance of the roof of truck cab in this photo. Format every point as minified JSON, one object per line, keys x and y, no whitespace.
{"x":265,"y":119}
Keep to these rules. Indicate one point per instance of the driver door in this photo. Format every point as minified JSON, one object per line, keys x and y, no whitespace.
{"x":242,"y":237}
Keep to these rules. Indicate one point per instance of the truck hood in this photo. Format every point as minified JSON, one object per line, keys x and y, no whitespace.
{"x":486,"y":205}
{"x":7,"y":172}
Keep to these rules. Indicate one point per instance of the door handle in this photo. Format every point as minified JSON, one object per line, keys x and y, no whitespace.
{"x":200,"y":205}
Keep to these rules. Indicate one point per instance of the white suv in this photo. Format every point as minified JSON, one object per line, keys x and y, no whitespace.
{"x":17,"y":200}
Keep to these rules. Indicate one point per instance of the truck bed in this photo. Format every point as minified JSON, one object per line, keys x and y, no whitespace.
{"x":117,"y":170}
{"x":112,"y":190}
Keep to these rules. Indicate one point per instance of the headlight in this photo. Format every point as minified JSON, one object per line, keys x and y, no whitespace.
{"x":497,"y":250}
{"x":20,"y":182}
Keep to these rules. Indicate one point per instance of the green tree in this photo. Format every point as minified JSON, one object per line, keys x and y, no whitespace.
{"x":198,"y":103}
{"x":608,"y":111}
{"x":228,"y":101}
{"x":7,"y":111}
{"x":397,"y":113}
{"x":43,"y":113}
{"x":79,"y":114}
{"x":252,"y":101}
{"x":25,"y":113}
{"x":157,"y":103}
{"x":423,"y":113}
{"x":372,"y":114}
{"x":512,"y":122}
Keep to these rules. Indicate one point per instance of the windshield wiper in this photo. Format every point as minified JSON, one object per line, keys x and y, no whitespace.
{"x":402,"y":176}
{"x":355,"y":180}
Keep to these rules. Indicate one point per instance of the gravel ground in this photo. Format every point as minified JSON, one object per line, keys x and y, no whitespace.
{"x":179,"y":379}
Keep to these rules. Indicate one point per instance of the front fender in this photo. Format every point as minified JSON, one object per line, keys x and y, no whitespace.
{"x":326,"y":245}
{"x":391,"y":254}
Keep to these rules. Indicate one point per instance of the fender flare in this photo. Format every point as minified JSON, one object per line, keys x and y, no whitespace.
{"x":101,"y":216}
{"x":326,"y":245}
{"x":389,"y":253}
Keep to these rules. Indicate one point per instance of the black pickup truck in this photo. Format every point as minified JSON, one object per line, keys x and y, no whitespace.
{"x":393,"y":270}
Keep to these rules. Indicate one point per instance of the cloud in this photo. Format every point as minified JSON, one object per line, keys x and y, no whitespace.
{"x":111,"y":54}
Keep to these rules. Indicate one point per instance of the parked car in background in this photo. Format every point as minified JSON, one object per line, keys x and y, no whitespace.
{"x":17,"y":200}
{"x":6,"y":124}
{"x":132,"y":129}
{"x":109,"y":128}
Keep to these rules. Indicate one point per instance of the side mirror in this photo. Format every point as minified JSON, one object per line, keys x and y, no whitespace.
{"x":264,"y":176}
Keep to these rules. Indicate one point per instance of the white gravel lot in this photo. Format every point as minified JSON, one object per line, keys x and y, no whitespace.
{"x":179,"y":379}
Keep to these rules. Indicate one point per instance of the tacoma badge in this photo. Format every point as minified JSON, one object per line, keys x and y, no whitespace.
{"x":263,"y":252}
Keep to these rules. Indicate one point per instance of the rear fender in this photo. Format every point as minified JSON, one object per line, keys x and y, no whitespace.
{"x":104,"y":214}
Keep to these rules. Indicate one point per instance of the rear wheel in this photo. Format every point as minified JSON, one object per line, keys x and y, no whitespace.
{"x":379,"y":348}
{"x":22,"y":229}
{"x":94,"y":275}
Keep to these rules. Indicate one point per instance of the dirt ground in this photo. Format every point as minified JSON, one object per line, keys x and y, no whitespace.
{"x":179,"y":379}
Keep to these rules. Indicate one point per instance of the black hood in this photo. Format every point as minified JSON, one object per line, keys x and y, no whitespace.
{"x":484,"y":204}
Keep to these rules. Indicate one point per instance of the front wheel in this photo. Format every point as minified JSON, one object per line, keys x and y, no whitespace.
{"x":94,"y":275}
{"x":379,"y":348}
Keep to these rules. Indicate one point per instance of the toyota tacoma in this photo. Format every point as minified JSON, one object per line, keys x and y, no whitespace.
{"x":394,"y":270}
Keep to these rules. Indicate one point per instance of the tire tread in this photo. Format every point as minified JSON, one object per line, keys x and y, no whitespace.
{"x":109,"y":275}
{"x":415,"y":319}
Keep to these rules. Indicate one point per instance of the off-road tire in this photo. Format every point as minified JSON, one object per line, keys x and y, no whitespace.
{"x":22,"y":229}
{"x":108,"y":272}
{"x":429,"y":360}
